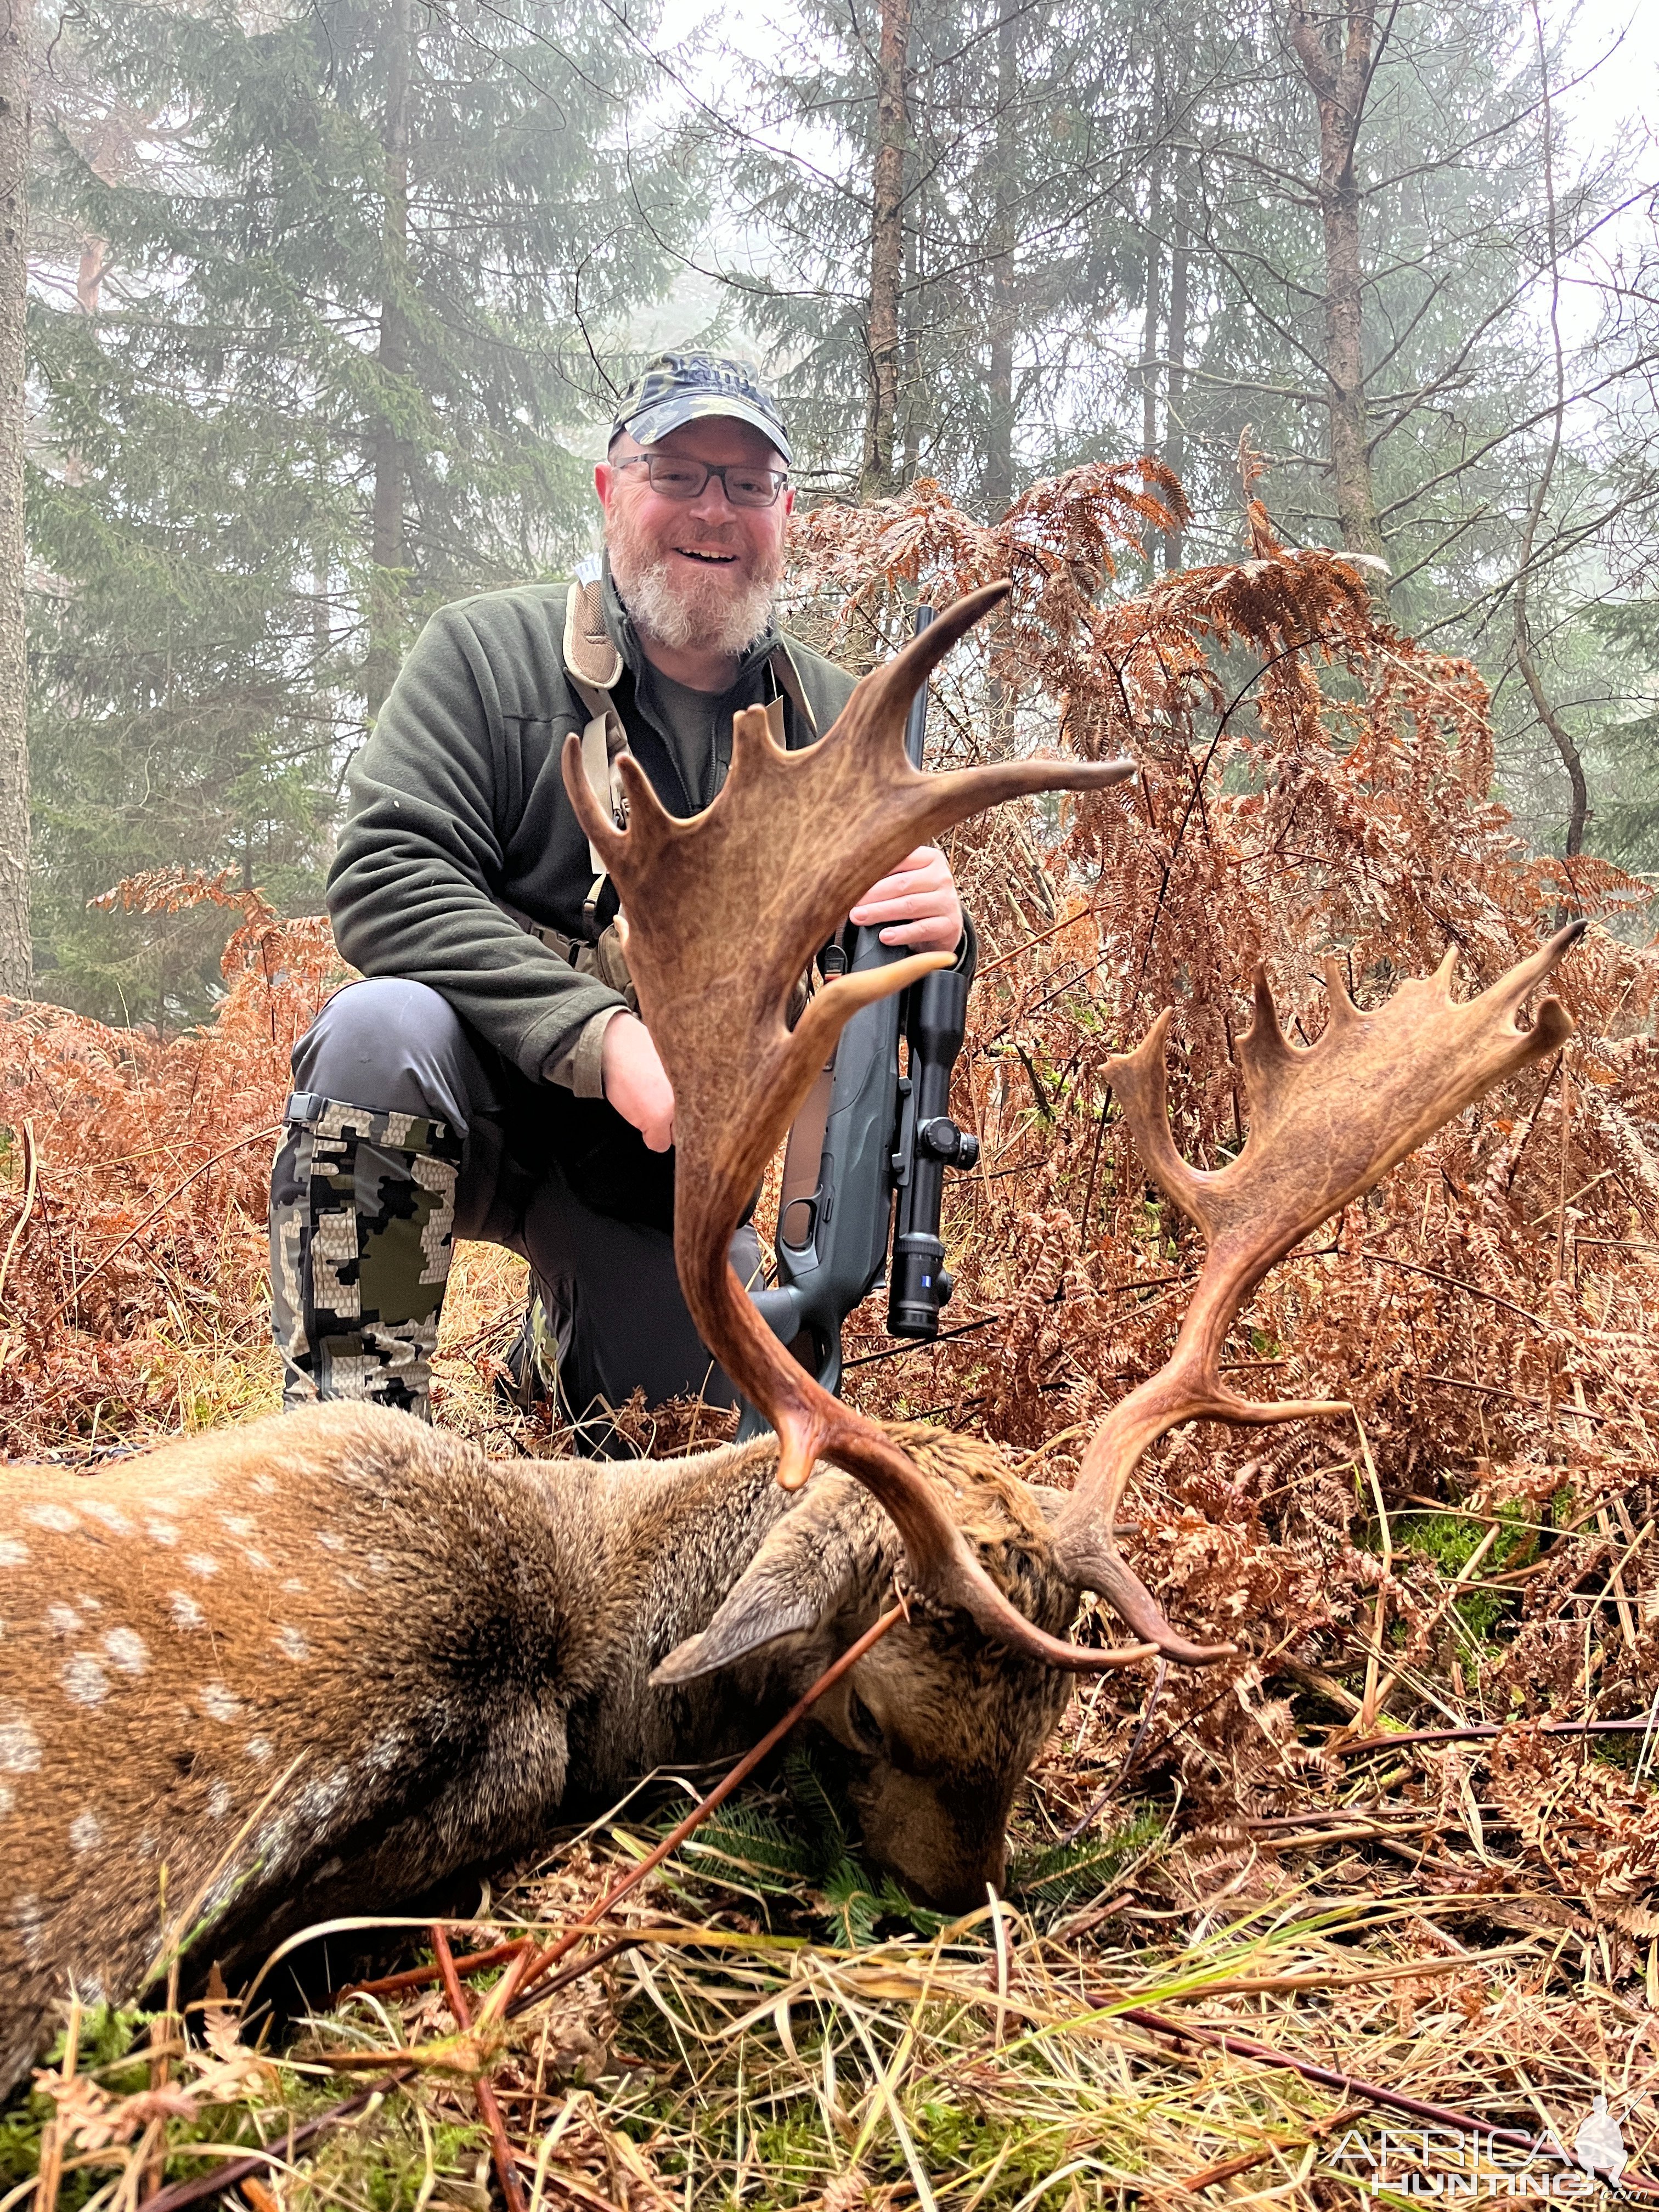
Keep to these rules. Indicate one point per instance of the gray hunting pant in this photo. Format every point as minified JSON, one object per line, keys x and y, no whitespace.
{"x":405,"y":1131}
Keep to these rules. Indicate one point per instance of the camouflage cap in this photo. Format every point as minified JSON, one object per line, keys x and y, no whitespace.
{"x":685,"y":387}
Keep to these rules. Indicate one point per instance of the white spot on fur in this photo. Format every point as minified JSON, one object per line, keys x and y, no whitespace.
{"x":48,"y":1516}
{"x":257,"y":1561}
{"x":85,"y":1679}
{"x":8,"y":1801}
{"x":330,"y":1541}
{"x":318,"y":1800}
{"x":14,"y":1552}
{"x":62,"y":1620}
{"x":293,"y":1643}
{"x":331,"y":1867}
{"x":383,"y":1754}
{"x":239,"y":1524}
{"x":202,"y":1562}
{"x":264,"y":1484}
{"x":20,"y":1747}
{"x":186,"y":1613}
{"x":259,"y":1749}
{"x":90,"y":1604}
{"x":379,"y":1564}
{"x":99,"y":1509}
{"x":294,"y":1587}
{"x":127,"y":1650}
{"x":160,"y":1532}
{"x":219,"y":1801}
{"x":217,"y":1703}
{"x":86,"y":1831}
{"x":27,"y":1919}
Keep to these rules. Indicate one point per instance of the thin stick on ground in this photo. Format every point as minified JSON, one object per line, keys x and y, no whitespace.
{"x":489,"y":2111}
{"x":1350,"y":2085}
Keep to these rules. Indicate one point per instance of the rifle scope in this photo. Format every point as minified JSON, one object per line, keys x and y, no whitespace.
{"x":928,"y":1140}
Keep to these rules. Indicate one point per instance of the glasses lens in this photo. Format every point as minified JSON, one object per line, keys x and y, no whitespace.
{"x":676,"y":479}
{"x":751,"y":487}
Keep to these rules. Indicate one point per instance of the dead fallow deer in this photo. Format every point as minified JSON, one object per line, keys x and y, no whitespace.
{"x":323,"y":1662}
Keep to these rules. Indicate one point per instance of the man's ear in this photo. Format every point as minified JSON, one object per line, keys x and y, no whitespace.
{"x":809,"y":1569}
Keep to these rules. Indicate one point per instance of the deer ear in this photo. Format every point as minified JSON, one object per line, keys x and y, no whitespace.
{"x":811,"y":1568}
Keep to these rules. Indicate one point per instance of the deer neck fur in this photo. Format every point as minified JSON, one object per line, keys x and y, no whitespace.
{"x":674,"y":1535}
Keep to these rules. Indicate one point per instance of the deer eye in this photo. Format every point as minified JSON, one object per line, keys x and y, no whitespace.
{"x":864,"y":1725}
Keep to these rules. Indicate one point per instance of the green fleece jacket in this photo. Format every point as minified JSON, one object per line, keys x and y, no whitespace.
{"x":457,"y":801}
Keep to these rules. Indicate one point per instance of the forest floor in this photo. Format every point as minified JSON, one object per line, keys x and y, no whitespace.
{"x":761,"y":2023}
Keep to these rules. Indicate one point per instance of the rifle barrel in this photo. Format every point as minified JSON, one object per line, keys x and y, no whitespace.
{"x":915,"y":726}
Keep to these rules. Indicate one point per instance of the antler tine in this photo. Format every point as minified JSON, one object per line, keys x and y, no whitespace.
{"x":1325,"y":1124}
{"x":725,"y":911}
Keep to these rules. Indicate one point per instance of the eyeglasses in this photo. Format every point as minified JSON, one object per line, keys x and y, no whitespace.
{"x":672,"y":477}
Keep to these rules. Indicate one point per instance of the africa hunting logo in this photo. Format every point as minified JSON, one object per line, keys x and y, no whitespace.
{"x":1443,"y":2162}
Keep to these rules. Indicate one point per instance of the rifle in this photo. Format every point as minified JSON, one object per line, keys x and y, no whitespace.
{"x":866,"y":1135}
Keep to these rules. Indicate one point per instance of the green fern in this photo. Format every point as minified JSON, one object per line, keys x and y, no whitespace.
{"x":854,"y":1903}
{"x":751,"y":1848}
{"x":823,"y":1812}
{"x":1069,"y":1875}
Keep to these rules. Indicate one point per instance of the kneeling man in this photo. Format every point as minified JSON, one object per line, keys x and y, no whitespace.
{"x":490,"y":1077}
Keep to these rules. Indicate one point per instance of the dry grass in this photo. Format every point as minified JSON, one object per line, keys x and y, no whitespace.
{"x":742,"y":2051}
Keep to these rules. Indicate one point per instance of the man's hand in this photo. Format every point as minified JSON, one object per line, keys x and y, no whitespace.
{"x":635,"y":1082}
{"x":918,"y":899}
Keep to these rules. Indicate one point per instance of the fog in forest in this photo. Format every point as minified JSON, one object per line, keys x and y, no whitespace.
{"x":327,"y":307}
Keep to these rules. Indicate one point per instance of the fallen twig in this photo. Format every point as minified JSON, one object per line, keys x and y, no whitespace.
{"x":237,"y":2170}
{"x":489,"y":2111}
{"x":1484,"y":1732}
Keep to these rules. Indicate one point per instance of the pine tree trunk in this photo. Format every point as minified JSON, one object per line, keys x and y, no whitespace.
{"x":1154,"y":302}
{"x":387,"y":548}
{"x":910,"y":461}
{"x":15,"y":961}
{"x":1175,"y":426}
{"x":886,"y":253}
{"x":1338,"y":69}
{"x":999,"y":426}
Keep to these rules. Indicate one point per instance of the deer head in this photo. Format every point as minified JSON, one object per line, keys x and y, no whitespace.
{"x":791,"y":840}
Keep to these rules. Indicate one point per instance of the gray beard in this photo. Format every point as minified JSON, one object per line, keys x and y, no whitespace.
{"x":682,"y":610}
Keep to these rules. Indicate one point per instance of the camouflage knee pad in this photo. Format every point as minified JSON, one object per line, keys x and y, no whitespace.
{"x":363,"y":1208}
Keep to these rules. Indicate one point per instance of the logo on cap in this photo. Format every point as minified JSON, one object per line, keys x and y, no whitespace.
{"x":689,"y":387}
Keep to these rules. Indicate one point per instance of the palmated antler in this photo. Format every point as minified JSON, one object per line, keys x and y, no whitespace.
{"x":1325,"y":1123}
{"x":725,"y":911}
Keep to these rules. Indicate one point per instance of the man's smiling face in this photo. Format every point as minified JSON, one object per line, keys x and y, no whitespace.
{"x":696,"y":574}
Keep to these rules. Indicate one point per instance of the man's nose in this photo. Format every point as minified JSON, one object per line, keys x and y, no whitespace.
{"x":711,"y":503}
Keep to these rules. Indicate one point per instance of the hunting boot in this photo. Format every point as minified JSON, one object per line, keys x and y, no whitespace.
{"x":531,"y":1380}
{"x":363,"y":1208}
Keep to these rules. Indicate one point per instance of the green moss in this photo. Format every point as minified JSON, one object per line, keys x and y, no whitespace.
{"x":951,"y":2137}
{"x":1449,"y":1540}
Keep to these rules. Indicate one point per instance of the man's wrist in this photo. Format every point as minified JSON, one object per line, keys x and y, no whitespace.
{"x":579,"y":1067}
